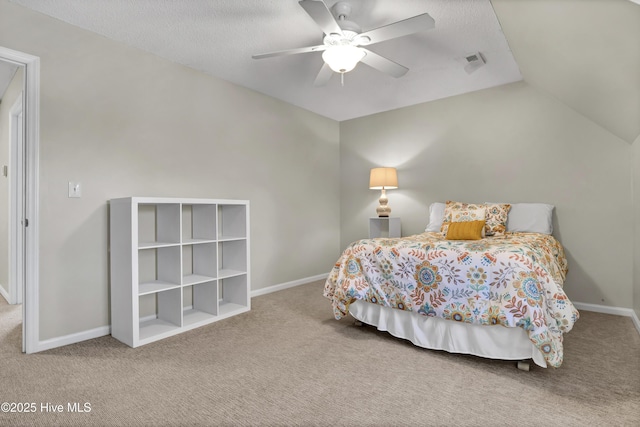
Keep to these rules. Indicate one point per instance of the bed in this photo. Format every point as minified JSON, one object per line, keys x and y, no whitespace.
{"x":498,"y":296}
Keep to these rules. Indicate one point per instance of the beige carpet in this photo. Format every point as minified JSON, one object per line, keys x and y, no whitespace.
{"x":288,"y":362}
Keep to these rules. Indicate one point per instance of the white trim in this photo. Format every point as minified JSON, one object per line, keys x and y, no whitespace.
{"x":16,"y":203}
{"x":106,"y":330}
{"x":4,"y":294}
{"x":287,"y":285}
{"x":635,"y":1}
{"x":618,"y":311}
{"x":31,"y":112}
{"x":74,"y":338}
{"x":32,"y":205}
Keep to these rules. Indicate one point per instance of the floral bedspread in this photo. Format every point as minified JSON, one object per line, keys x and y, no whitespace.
{"x":513,"y":281}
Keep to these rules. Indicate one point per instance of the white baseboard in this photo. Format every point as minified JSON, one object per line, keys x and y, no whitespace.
{"x":618,"y":311}
{"x":287,"y":285}
{"x":73,"y":338}
{"x":106,"y":330}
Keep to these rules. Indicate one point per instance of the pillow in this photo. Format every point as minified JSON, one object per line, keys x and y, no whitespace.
{"x":463,"y":212}
{"x":496,"y":219}
{"x":436,"y":214}
{"x":530,"y":218}
{"x":466,"y":230}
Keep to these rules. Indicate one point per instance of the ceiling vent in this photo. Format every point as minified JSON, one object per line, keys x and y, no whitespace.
{"x":474,"y":61}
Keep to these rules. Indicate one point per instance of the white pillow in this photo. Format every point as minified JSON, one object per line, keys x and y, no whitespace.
{"x":530,"y":218}
{"x":436,"y":215}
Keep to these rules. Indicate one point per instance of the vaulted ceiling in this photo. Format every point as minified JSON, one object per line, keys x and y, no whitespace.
{"x":586,"y":53}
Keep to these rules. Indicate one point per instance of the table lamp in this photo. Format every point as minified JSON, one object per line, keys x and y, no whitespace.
{"x":383,"y":179}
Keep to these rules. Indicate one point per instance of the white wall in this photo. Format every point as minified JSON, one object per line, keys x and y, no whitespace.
{"x":14,"y":90}
{"x":123,"y":123}
{"x":512,"y":143}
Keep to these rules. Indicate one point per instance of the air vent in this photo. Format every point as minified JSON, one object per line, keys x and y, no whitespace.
{"x":474,"y":61}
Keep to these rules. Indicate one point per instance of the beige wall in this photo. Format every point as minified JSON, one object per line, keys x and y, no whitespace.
{"x":14,"y":90}
{"x":126,"y":123}
{"x":512,"y":143}
{"x":593,"y":72}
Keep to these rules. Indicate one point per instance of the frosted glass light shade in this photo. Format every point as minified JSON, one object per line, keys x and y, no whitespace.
{"x":383,"y":178}
{"x":342,"y":58}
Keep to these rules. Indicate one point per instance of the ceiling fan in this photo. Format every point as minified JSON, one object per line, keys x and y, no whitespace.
{"x":343,"y":40}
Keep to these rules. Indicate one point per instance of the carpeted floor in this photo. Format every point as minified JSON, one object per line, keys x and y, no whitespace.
{"x":289,"y":362}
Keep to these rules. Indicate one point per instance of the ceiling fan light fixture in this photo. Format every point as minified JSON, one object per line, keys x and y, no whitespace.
{"x":343,"y":58}
{"x":343,"y":40}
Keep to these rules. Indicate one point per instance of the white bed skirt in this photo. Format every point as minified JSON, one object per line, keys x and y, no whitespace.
{"x":493,"y":342}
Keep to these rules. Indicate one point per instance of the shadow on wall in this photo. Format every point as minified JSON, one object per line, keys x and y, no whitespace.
{"x":358,"y":202}
{"x":577,"y":277}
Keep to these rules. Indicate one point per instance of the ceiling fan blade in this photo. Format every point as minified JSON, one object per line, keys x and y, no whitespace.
{"x":398,"y":29}
{"x":323,"y":76}
{"x":319,"y":12}
{"x":319,"y":48}
{"x":383,"y":64}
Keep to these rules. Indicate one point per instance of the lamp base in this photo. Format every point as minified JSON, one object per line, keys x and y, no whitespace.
{"x":383,"y":210}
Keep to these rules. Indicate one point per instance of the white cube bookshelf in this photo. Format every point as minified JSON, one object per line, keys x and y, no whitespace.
{"x":176,"y":264}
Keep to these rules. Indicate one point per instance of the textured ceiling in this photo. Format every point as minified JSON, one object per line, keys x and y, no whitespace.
{"x":219,"y":37}
{"x":586,"y":53}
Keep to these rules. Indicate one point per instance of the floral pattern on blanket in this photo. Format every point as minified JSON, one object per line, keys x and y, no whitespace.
{"x":513,"y":281}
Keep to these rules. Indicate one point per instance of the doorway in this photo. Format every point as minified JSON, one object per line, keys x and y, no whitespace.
{"x":14,"y":171}
{"x":23,"y":212}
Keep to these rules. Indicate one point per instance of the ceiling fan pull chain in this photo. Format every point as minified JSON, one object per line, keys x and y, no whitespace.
{"x":342,"y":79}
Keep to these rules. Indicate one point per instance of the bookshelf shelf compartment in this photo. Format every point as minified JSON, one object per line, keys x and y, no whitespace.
{"x":176,"y":264}
{"x":200,"y":303}
{"x":157,"y":316}
{"x":233,"y":291}
{"x":155,"y":328}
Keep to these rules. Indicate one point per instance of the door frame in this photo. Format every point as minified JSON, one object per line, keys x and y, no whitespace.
{"x":31,"y":115}
{"x":16,"y":204}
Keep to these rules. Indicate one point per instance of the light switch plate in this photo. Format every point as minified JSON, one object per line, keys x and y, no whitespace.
{"x":75,"y":189}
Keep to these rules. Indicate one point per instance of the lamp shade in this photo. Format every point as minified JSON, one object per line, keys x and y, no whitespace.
{"x":383,"y":178}
{"x":343,"y":58}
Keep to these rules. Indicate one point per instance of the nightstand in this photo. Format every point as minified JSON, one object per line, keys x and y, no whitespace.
{"x":384,"y":227}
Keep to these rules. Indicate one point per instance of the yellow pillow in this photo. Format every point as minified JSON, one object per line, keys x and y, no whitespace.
{"x":458,"y":212}
{"x":467,"y":230}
